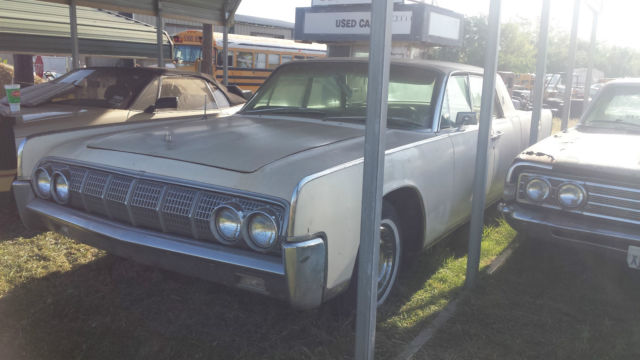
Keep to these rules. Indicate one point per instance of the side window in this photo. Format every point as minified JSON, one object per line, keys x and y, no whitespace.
{"x":261,"y":61}
{"x":286,"y":58}
{"x":456,"y":100}
{"x":147,"y":96}
{"x":219,"y":96}
{"x":245,"y":59}
{"x":220,"y":59}
{"x":192,"y":93}
{"x":475,"y":90}
{"x":274,"y":61}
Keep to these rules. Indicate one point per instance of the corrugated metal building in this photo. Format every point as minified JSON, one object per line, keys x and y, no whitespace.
{"x":38,"y":27}
{"x":244,"y":25}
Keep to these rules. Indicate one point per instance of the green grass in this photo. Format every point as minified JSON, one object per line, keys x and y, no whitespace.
{"x":547,"y":302}
{"x":63,"y":300}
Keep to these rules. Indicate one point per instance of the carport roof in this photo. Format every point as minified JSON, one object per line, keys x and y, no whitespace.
{"x":37,"y":27}
{"x":205,"y":11}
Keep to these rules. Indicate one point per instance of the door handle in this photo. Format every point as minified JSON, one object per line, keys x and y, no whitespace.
{"x":496,"y":134}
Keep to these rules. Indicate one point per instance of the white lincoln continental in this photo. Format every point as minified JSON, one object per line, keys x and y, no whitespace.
{"x":268,"y":199}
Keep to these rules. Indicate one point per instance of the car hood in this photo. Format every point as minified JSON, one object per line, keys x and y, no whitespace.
{"x":238,"y":143}
{"x":589,"y":153}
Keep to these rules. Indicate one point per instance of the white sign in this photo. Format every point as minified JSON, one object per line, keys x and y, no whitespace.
{"x":352,"y":23}
{"x":343,"y":2}
{"x":444,"y":26}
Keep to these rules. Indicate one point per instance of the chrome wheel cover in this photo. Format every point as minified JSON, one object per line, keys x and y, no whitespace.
{"x":388,"y":259}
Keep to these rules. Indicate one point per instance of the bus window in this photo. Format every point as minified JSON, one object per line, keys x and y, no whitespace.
{"x":261,"y":61}
{"x":299,"y":57}
{"x":286,"y":58}
{"x":221,"y":59}
{"x":274,"y":61}
{"x":245,"y":59}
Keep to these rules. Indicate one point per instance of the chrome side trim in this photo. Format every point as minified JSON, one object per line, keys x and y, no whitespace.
{"x":525,"y":163}
{"x":19,"y":158}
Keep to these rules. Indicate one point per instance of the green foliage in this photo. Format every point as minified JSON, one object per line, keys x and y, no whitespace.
{"x":519,"y":48}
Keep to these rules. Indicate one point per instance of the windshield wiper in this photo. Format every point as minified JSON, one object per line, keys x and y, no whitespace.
{"x":285,"y":110}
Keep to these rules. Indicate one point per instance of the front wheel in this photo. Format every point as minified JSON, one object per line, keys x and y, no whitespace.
{"x":390,"y":254}
{"x":388,"y":260}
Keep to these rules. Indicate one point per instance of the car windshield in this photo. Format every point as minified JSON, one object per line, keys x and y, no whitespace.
{"x":112,"y":88}
{"x":337,"y":91}
{"x":617,"y":108}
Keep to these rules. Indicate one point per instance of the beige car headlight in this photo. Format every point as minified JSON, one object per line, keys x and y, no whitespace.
{"x":226,"y":223}
{"x":261,"y":230}
{"x":537,"y":189}
{"x":60,"y":184}
{"x":42,"y":183}
{"x":571,"y":195}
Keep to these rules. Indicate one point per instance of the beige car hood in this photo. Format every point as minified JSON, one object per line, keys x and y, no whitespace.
{"x":242,"y":144}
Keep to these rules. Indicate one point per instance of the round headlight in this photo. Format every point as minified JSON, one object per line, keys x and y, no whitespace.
{"x":571,"y":195}
{"x":226,"y":222}
{"x":261,"y":230}
{"x":60,"y":185}
{"x":42,"y":183}
{"x":537,"y":189}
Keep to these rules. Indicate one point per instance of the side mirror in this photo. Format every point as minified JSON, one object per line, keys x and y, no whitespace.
{"x":466,"y":118}
{"x":245,"y":94}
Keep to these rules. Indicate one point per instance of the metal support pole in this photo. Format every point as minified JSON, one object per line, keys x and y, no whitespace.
{"x":159,"y":35}
{"x":566,"y":109}
{"x":373,"y":177}
{"x":225,"y":53}
{"x":207,"y":49}
{"x":480,"y":177}
{"x":73,"y":27}
{"x":541,"y":70}
{"x":592,"y":50}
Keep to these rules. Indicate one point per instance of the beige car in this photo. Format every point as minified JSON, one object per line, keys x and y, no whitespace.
{"x":268,"y":199}
{"x":104,"y":96}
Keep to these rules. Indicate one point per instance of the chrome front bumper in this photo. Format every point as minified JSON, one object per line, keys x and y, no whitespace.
{"x":573,"y":228}
{"x":298,"y":277}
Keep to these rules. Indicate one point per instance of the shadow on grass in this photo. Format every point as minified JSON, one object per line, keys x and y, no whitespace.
{"x":113,"y":308}
{"x":547,"y":302}
{"x":10,"y":223}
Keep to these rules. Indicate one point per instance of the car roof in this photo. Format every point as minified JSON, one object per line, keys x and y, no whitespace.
{"x":624,"y":81}
{"x":443,"y":66}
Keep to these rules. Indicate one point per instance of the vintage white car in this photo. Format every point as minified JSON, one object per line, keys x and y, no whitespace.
{"x":269,"y":199}
{"x":103,"y":96}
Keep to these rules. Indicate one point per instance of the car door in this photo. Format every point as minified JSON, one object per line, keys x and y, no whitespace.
{"x":464,"y":139}
{"x":195,"y":97}
{"x":504,"y":138}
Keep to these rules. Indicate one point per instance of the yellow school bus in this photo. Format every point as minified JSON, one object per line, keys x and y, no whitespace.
{"x":251,"y":58}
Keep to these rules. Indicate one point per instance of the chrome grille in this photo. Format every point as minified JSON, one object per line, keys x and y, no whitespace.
{"x":616,"y":202}
{"x":153,"y":204}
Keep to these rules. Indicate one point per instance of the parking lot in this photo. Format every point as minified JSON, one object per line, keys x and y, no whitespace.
{"x":63,"y":300}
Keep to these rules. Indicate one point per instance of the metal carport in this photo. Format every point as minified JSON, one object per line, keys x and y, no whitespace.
{"x":31,"y":26}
